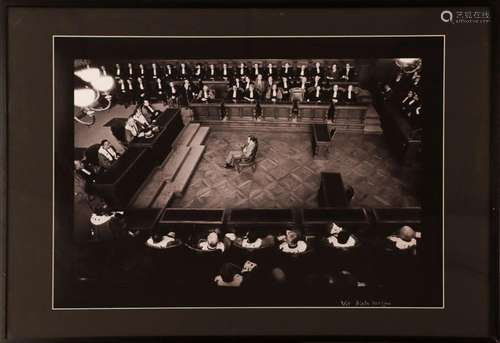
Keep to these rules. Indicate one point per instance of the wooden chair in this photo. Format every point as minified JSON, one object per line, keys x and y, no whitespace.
{"x":247,"y":162}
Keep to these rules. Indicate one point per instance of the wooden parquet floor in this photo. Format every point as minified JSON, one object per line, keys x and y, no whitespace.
{"x":288,"y":176}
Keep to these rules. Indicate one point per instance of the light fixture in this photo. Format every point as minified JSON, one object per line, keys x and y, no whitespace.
{"x":85,"y":97}
{"x":103,"y":83}
{"x":409,"y":65}
{"x":88,"y":74}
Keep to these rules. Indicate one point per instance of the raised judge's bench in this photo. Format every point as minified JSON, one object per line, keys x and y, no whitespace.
{"x":118,"y":184}
{"x":347,"y":117}
{"x":170,"y":124}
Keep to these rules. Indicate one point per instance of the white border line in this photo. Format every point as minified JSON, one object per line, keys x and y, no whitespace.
{"x":442,"y":307}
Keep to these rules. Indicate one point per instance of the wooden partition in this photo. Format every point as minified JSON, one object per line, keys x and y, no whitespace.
{"x":308,"y":112}
{"x":389,"y":220}
{"x":366,"y":223}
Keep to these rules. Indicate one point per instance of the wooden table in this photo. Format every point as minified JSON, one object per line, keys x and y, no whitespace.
{"x":320,"y":140}
{"x":331,"y":191}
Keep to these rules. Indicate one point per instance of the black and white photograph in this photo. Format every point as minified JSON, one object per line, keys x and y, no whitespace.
{"x":256,"y":181}
{"x":298,"y":173}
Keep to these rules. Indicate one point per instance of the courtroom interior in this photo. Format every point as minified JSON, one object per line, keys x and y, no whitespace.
{"x":248,"y":182}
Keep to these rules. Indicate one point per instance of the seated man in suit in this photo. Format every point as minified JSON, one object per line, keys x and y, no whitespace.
{"x":337,"y":94}
{"x":138,"y":126}
{"x":198,"y":72}
{"x":251,"y":94}
{"x":348,"y":74}
{"x":318,"y":70}
{"x":238,"y":83}
{"x":303,"y":84}
{"x":107,"y":154}
{"x":316,"y":81}
{"x":212,"y":243}
{"x":245,"y":152}
{"x":411,"y":106}
{"x":415,"y":81}
{"x":350,"y":96}
{"x":286,"y":71}
{"x":270,"y":70}
{"x":251,"y":240}
{"x":231,"y":275}
{"x":291,"y":243}
{"x":226,"y":72}
{"x":154,"y":71}
{"x":212,"y":72}
{"x":169,"y":72}
{"x":406,"y":100}
{"x":84,"y":174}
{"x":142,"y":121}
{"x":172,"y":93}
{"x":302,"y":72}
{"x":274,"y":94}
{"x":205,"y":94}
{"x":157,"y":241}
{"x":184,"y":72}
{"x":285,"y":88}
{"x":241,"y":71}
{"x":404,"y":241}
{"x":256,"y":70}
{"x":316,"y":94}
{"x":141,"y":89}
{"x":186,"y":93}
{"x":118,"y":72}
{"x":158,"y":86}
{"x":269,"y":83}
{"x":234,"y":94}
{"x":123,"y":93}
{"x":149,"y":112}
{"x":341,"y":238}
{"x":333,"y":73}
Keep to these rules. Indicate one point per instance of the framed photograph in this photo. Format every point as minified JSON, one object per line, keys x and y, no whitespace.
{"x":294,"y":172}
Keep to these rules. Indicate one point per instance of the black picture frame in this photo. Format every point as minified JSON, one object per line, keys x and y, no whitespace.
{"x":9,"y":238}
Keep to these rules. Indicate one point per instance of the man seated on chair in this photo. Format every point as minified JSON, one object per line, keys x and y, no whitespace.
{"x":107,"y":154}
{"x":234,"y":94}
{"x":205,"y":94}
{"x":212,"y":243}
{"x":341,"y":239}
{"x":245,"y":152}
{"x":138,"y":126}
{"x":84,"y":171}
{"x":404,"y":241}
{"x":157,"y":241}
{"x":292,"y":244}
{"x":149,"y":112}
{"x":231,"y":275}
{"x":251,"y":240}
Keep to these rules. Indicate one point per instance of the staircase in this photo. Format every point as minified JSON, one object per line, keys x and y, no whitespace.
{"x":172,"y":176}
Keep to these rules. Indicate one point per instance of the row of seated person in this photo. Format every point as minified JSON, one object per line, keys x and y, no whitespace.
{"x":404,"y":91}
{"x":140,"y":123}
{"x":271,"y":89}
{"x":99,"y":157}
{"x":291,"y":241}
{"x":252,"y":250}
{"x":225,"y":71}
